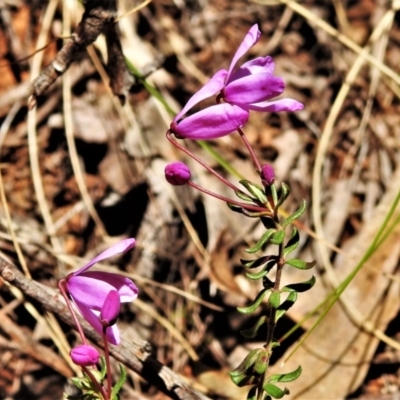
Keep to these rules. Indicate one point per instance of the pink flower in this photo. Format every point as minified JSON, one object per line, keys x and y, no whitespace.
{"x":84,"y":355}
{"x":177,"y":173}
{"x":90,"y":290}
{"x":249,"y":87}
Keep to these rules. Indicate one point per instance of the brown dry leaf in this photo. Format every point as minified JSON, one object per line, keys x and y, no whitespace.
{"x":343,"y":353}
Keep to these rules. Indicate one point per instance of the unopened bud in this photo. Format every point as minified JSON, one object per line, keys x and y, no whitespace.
{"x":84,"y":355}
{"x":177,"y":173}
{"x":267,"y":175}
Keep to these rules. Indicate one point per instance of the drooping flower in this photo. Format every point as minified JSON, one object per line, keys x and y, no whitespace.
{"x":249,"y":87}
{"x":84,"y":355}
{"x":89,"y":289}
{"x":177,"y":173}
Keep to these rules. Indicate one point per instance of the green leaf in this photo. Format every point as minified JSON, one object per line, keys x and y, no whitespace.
{"x":252,"y":332}
{"x":283,"y":195}
{"x":103,"y":368}
{"x":243,"y":379}
{"x":250,"y":309}
{"x":295,"y":215}
{"x":290,"y":300}
{"x":275,"y":299}
{"x":235,"y":208}
{"x":252,"y":395}
{"x":261,"y":365}
{"x":246,"y":364}
{"x":259,"y":261}
{"x":300,"y":264}
{"x":278,"y":237}
{"x":302,"y":286}
{"x":257,"y":275}
{"x":267,"y":283}
{"x":264,"y":239}
{"x":289,"y":377}
{"x":117,"y":387}
{"x":292,"y":243}
{"x":256,"y":190}
{"x":255,"y":214}
{"x":244,"y":196}
{"x":274,"y":194}
{"x":274,"y":391}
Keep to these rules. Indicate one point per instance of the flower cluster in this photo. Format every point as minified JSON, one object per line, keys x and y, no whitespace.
{"x":249,"y":87}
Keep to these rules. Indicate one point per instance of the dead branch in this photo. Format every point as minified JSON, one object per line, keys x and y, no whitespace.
{"x":99,"y":17}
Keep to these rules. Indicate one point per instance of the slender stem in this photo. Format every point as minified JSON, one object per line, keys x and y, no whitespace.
{"x":201,"y":162}
{"x":250,"y":149}
{"x":62,"y":287}
{"x":226,"y":199}
{"x":108,"y":364}
{"x":99,"y":387}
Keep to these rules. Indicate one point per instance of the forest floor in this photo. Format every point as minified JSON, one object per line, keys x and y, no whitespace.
{"x":80,"y":171}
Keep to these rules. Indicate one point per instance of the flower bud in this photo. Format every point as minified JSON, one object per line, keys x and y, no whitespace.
{"x":267,"y":175}
{"x":177,"y":173}
{"x":84,"y":355}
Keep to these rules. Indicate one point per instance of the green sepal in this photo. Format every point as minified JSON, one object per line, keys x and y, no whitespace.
{"x":261,"y":365}
{"x":290,"y":300}
{"x":259,"y":261}
{"x":300,"y":264}
{"x":244,"y":196}
{"x":292,"y":243}
{"x":274,"y":391}
{"x":275,"y":299}
{"x":264,"y":239}
{"x":283,"y":195}
{"x":251,"y":333}
{"x":250,"y":309}
{"x":252,"y":395}
{"x":289,"y":377}
{"x":302,"y":286}
{"x":278,"y":237}
{"x":295,"y":215}
{"x":256,"y":190}
{"x":121,"y":380}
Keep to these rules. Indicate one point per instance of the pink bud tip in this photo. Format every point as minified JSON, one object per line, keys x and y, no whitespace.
{"x":177,"y":173}
{"x":84,"y":355}
{"x":267,"y":175}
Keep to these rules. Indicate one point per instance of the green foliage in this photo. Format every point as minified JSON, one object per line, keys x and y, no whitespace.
{"x":252,"y":332}
{"x":299,"y":212}
{"x":250,"y":309}
{"x":117,"y":387}
{"x":274,"y":391}
{"x":264,"y":240}
{"x":256,"y":190}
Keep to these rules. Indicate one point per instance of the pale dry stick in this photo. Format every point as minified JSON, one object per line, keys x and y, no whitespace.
{"x":341,"y":15}
{"x":53,"y":325}
{"x":5,"y":126}
{"x":169,"y":327}
{"x":134,"y":10}
{"x":318,"y":166}
{"x":279,"y":30}
{"x":69,"y":133}
{"x":320,"y":23}
{"x":375,"y":78}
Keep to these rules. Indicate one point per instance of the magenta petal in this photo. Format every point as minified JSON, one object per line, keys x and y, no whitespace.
{"x":93,"y":319}
{"x":91,"y":288}
{"x":120,"y":247}
{"x":277,"y":105}
{"x":212,"y":87}
{"x":212,"y":122}
{"x":253,"y":89}
{"x":111,"y":308}
{"x":252,"y":37}
{"x":126,"y":289}
{"x":257,"y":66}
